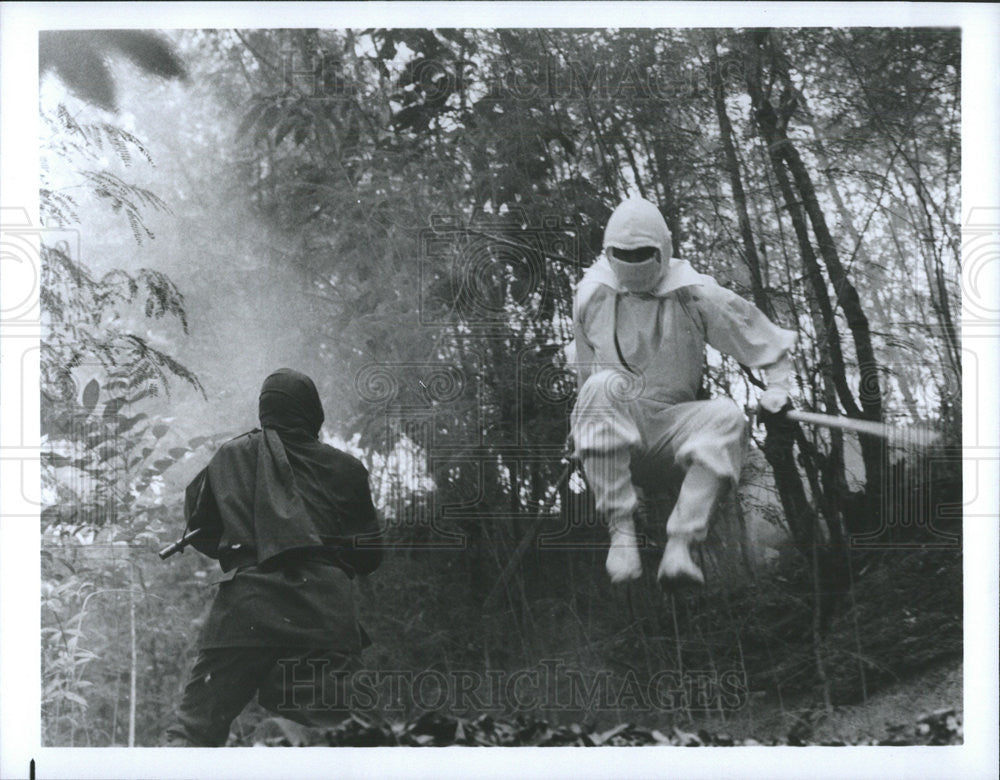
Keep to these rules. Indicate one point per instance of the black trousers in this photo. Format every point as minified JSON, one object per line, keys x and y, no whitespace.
{"x":308,"y":686}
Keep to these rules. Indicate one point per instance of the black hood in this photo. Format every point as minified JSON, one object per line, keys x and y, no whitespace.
{"x":289,"y":401}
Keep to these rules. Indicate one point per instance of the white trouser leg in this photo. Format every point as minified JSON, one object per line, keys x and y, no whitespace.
{"x":688,"y":523}
{"x":702,"y":442}
{"x":606,"y":437}
{"x":699,"y":493}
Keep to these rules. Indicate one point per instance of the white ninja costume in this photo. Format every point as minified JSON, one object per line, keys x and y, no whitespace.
{"x":640,"y":335}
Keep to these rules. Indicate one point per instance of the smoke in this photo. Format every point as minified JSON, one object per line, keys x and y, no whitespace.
{"x":246,"y":287}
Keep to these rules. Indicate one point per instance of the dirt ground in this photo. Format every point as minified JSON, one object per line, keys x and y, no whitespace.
{"x":899,"y":703}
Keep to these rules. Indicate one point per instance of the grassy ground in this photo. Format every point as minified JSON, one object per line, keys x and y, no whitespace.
{"x":902,"y":702}
{"x":905,"y":714}
{"x":891,"y":654}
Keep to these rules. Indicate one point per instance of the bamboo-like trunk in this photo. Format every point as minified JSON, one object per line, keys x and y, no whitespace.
{"x":760,"y":298}
{"x":861,"y":252}
{"x":779,"y":446}
{"x":133,"y":671}
{"x":828,"y":334}
{"x":772,"y":122}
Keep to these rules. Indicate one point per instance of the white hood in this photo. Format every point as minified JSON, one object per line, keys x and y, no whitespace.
{"x":635,"y":223}
{"x":638,"y":223}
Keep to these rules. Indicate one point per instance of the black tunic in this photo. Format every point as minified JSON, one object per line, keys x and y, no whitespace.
{"x":292,"y":521}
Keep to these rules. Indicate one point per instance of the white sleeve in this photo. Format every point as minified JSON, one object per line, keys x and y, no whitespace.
{"x":580,"y":353}
{"x":736,"y":327}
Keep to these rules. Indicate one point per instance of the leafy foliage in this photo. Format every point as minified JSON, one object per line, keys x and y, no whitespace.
{"x":80,"y":58}
{"x":942,"y":727}
{"x":86,"y":142}
{"x":103,"y":453}
{"x":87,"y":325}
{"x":348,"y":154}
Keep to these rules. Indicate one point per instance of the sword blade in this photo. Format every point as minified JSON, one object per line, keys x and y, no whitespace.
{"x":915,"y":435}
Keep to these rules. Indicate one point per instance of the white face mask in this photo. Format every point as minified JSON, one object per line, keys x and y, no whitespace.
{"x":636,"y":277}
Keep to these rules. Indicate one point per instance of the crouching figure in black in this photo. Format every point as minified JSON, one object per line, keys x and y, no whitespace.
{"x":291,"y":522}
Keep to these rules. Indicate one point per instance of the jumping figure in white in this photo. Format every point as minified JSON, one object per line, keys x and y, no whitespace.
{"x":641,"y":320}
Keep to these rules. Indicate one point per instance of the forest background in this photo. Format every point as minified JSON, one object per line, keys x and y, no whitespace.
{"x":402,"y":214}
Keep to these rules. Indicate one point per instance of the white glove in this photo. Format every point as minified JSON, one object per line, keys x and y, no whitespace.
{"x":773,"y":399}
{"x":779,"y":383}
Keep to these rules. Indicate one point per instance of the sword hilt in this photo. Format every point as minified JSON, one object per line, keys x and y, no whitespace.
{"x":180,"y":544}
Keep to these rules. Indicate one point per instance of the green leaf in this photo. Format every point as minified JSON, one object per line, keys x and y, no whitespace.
{"x":251,"y":117}
{"x":129,"y":422}
{"x":75,"y":697}
{"x":90,"y":394}
{"x":111,"y":407}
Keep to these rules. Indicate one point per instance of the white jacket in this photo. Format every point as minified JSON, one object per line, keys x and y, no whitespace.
{"x":661,"y":335}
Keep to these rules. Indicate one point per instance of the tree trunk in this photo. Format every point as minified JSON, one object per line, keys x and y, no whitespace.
{"x":736,"y":182}
{"x":799,"y":513}
{"x":778,"y":447}
{"x":772,"y":122}
{"x":861,"y":252}
{"x":667,"y":184}
{"x":133,"y":672}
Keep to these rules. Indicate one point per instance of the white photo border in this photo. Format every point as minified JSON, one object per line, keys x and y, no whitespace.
{"x":20,"y":679}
